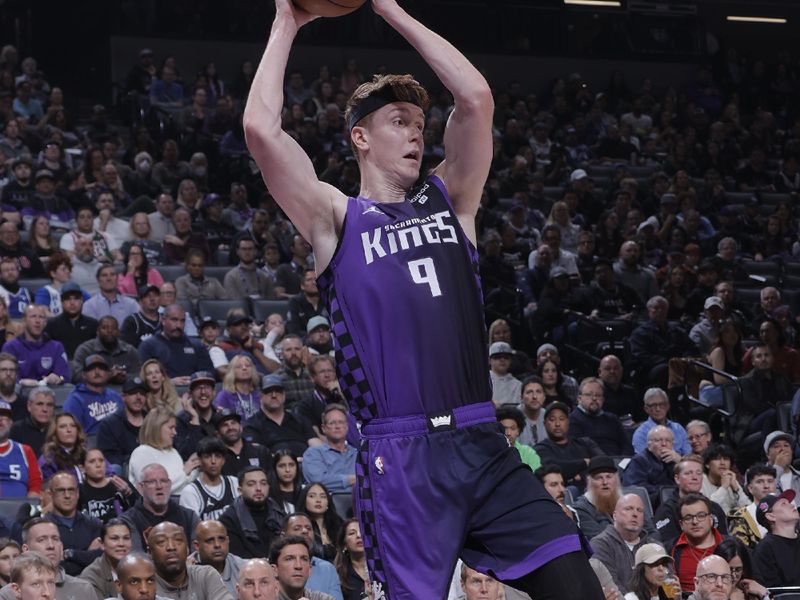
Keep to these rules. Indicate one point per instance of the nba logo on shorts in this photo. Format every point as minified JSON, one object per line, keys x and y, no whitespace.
{"x":379,"y":465}
{"x":46,"y":362}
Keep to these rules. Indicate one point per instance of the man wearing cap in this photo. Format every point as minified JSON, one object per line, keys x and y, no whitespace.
{"x":47,"y":204}
{"x":333,"y":462}
{"x":238,"y":453}
{"x":19,"y":191}
{"x":246,"y":280}
{"x":506,"y":389}
{"x":120,"y":356}
{"x":180,"y":355}
{"x":305,"y":304}
{"x":595,"y":506}
{"x":212,"y":492}
{"x":118,"y":433}
{"x":777,"y":556}
{"x":778,"y":448}
{"x":742,"y":524}
{"x":108,"y":300}
{"x":276,"y":428}
{"x":19,"y":468}
{"x":706,"y":331}
{"x":572,"y":455}
{"x":39,"y":358}
{"x":91,"y":401}
{"x":16,"y":297}
{"x":194,"y":421}
{"x":588,"y":419}
{"x":318,"y":339}
{"x":618,"y":545}
{"x":238,"y":341}
{"x":628,"y":270}
{"x":143,"y":324}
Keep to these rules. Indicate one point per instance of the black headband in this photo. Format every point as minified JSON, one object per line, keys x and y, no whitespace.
{"x":376,"y":101}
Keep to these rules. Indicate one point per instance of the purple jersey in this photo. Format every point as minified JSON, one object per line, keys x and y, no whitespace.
{"x":406,"y":308}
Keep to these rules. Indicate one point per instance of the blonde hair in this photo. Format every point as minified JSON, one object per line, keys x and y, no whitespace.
{"x":167,"y":396}
{"x":229,"y":381}
{"x":150,"y":432}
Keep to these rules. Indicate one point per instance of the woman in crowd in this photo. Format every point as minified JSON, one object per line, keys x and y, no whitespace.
{"x":156,"y":438}
{"x":140,"y":235}
{"x":552,"y":382}
{"x":726,"y":355}
{"x":285,"y":480}
{"x":137,"y":271}
{"x":651,"y":572}
{"x":316,"y":501}
{"x":559,"y":215}
{"x":188,"y":196}
{"x":9,"y":551}
{"x":8,"y":329}
{"x":39,"y":239}
{"x":785,"y":359}
{"x":772,"y":244}
{"x":104,"y":494}
{"x":240,"y":388}
{"x":738,"y":557}
{"x":351,"y":562}
{"x":59,"y":267}
{"x":162,"y":391}
{"x":64,"y":447}
{"x":609,"y":237}
{"x":676,"y":290}
{"x":115,"y":539}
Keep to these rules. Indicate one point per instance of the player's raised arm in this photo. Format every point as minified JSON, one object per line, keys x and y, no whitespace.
{"x":287,"y":170}
{"x":468,"y":136}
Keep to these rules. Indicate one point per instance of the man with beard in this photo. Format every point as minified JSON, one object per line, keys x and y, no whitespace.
{"x":238,"y":341}
{"x":19,"y":191}
{"x":141,"y":325}
{"x":31,"y":430}
{"x":589,"y":419}
{"x":246,"y":280}
{"x":603,"y":489}
{"x":71,"y":327}
{"x":611,"y":299}
{"x":19,"y":469}
{"x":8,"y":385}
{"x":136,"y":578}
{"x":531,"y":406}
{"x":305,"y":304}
{"x":40,"y":359}
{"x":617,"y":544}
{"x":326,"y":391}
{"x":618,"y":398}
{"x":118,"y":433}
{"x":155,"y":506}
{"x":254,"y":519}
{"x":318,"y":339}
{"x":194,"y":421}
{"x":15,"y":296}
{"x":290,"y":276}
{"x":120,"y":356}
{"x":11,"y":246}
{"x":294,"y":376}
{"x":211,"y":493}
{"x":85,"y":266}
{"x":323,"y":576}
{"x":238,"y":453}
{"x":174,"y":578}
{"x":212,"y":547}
{"x":91,"y":401}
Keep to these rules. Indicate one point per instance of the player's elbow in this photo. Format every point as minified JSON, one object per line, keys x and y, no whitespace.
{"x":479,"y":101}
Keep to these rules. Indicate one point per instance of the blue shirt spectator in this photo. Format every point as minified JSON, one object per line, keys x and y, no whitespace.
{"x":91,"y":401}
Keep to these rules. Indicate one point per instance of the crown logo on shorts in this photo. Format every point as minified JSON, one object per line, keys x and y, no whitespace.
{"x":443,"y":421}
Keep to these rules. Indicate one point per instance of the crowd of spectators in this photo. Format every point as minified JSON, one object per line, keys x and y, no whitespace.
{"x":167,"y":371}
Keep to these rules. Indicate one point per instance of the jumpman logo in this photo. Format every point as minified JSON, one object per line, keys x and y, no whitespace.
{"x":373,"y":209}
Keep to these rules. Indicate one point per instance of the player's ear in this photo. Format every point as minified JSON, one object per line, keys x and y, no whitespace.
{"x":359,"y":138}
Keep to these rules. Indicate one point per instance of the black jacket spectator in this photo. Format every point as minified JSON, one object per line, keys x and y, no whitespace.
{"x":667,"y":524}
{"x":777,"y":559}
{"x":252,"y":540}
{"x":604,"y":428}
{"x":76,"y":537}
{"x":180,"y":357}
{"x":25,"y":431}
{"x":571,"y":457}
{"x":71,"y":333}
{"x":293,"y":433}
{"x":140,"y":519}
{"x":651,"y":346}
{"x":252,"y":454}
{"x":117,"y":438}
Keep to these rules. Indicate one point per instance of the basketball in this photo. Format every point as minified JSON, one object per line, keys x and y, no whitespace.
{"x":329,"y":8}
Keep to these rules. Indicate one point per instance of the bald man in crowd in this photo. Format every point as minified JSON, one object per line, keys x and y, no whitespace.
{"x":136,"y":578}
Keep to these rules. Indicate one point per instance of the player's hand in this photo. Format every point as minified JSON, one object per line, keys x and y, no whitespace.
{"x":285,"y":9}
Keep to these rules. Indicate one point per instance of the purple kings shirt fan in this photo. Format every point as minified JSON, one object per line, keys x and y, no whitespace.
{"x":406,"y":308}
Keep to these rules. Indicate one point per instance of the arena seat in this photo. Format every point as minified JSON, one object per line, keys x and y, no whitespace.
{"x":762,"y":267}
{"x":217,"y":273}
{"x":264,"y":308}
{"x":34,"y":284}
{"x":666,"y":492}
{"x":642,"y":493}
{"x":772,"y":198}
{"x":218,"y":309}
{"x":9,"y":507}
{"x":343,"y":503}
{"x":792,"y":268}
{"x":748,"y":296}
{"x":785,"y":416}
{"x":171,"y":272}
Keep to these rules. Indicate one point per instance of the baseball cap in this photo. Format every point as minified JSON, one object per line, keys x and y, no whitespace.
{"x":134,"y":384}
{"x":22,"y":160}
{"x":768,"y":502}
{"x":706,"y":267}
{"x":668,"y":199}
{"x":544,"y":348}
{"x":315,"y":322}
{"x":71,"y":288}
{"x":219,"y":417}
{"x":206,"y":321}
{"x":713,"y":301}
{"x":201,"y":377}
{"x":556,"y":272}
{"x":145,"y":52}
{"x":601,"y":464}
{"x":650,"y":554}
{"x":237,"y":318}
{"x":94,"y":360}
{"x":145,"y":289}
{"x":44,"y":174}
{"x":5,"y":408}
{"x":557,"y":405}
{"x":650,"y":221}
{"x":774,"y":437}
{"x":211,"y":198}
{"x":498,"y":348}
{"x":577,"y":175}
{"x":269,"y":382}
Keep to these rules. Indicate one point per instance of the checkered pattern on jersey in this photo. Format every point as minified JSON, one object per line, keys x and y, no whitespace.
{"x":366,"y":518}
{"x":352,"y":378}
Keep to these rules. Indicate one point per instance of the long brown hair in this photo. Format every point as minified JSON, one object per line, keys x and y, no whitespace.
{"x":54,"y":452}
{"x":343,"y":562}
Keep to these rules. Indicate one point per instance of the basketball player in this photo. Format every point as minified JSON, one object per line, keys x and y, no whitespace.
{"x":397,"y":267}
